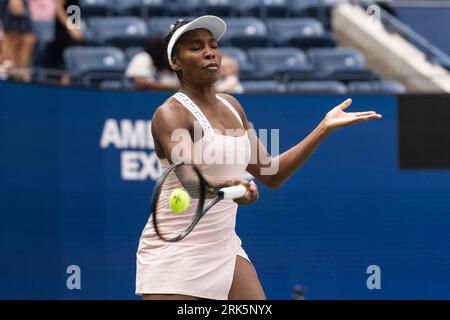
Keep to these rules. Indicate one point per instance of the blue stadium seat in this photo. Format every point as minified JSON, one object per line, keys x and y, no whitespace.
{"x":302,"y":33}
{"x":262,"y":8}
{"x":184,"y":8}
{"x":245,"y":33}
{"x":132,"y":51}
{"x":281,"y":63}
{"x":246,"y":67}
{"x":376,"y":87}
{"x":111,"y":85}
{"x":316,"y":87}
{"x":319,"y":9}
{"x":124,"y":84}
{"x":90,"y":65}
{"x":118,"y":31}
{"x":221,"y":8}
{"x":340,"y":64}
{"x":96,"y":8}
{"x":309,"y":7}
{"x":262,"y":87}
{"x":140,"y":8}
{"x":44,"y":32}
{"x":161,"y":25}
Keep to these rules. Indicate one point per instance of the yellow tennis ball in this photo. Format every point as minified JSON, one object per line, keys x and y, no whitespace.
{"x":179,"y":200}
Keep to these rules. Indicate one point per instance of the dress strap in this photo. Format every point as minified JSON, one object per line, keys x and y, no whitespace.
{"x":195,"y":110}
{"x":229,"y":106}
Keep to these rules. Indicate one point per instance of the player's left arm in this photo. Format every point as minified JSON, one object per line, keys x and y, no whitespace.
{"x":274,"y":171}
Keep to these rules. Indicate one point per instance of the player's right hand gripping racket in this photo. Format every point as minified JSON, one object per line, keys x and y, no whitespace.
{"x":172,"y":226}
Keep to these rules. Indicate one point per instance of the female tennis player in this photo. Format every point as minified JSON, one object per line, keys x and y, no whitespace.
{"x":210,"y":262}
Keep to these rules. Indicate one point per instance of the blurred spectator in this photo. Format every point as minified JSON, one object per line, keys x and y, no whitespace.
{"x":149,"y":70}
{"x":3,"y":72}
{"x":18,"y":41}
{"x":66,"y":35}
{"x":229,"y":79}
{"x":42,"y":10}
{"x":2,"y":16}
{"x":2,"y":11}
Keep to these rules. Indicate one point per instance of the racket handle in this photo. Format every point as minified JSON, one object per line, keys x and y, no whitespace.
{"x":233,"y":192}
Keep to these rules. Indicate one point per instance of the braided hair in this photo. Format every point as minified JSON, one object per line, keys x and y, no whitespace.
{"x":174,"y":27}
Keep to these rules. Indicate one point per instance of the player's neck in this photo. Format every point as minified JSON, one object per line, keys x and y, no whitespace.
{"x":201,"y":95}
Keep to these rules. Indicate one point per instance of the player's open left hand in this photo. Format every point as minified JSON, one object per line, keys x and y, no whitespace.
{"x":337,"y":117}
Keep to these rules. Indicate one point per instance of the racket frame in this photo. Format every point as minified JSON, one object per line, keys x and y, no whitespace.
{"x":199,"y":210}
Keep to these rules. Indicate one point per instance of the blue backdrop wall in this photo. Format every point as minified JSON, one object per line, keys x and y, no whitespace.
{"x":77,"y":169}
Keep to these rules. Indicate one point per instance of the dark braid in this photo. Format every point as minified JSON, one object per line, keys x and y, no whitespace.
{"x":155,"y":48}
{"x":174,"y":27}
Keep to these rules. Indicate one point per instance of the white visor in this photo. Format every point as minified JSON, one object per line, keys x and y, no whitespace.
{"x":212,"y":23}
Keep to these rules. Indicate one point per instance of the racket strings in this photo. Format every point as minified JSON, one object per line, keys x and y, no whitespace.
{"x":189,"y":180}
{"x":170,"y":223}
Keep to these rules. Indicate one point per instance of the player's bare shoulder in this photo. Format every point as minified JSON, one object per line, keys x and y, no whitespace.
{"x":170,"y":110}
{"x":170,"y":115}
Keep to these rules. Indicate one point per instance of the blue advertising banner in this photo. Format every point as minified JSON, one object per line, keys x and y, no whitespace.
{"x":77,"y":168}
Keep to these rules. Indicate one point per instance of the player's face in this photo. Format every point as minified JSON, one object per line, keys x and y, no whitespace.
{"x":198,"y":56}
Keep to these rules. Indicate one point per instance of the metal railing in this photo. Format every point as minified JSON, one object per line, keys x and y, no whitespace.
{"x":393,"y":24}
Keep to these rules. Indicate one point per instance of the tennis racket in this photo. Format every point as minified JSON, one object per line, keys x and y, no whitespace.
{"x":174,"y":226}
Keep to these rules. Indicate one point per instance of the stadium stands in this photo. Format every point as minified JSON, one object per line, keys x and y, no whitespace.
{"x":222,"y":8}
{"x":184,"y":8}
{"x":97,"y":8}
{"x":303,"y":33}
{"x":141,"y":8}
{"x":319,"y":9}
{"x":378,"y":87}
{"x":340,"y":64}
{"x":316,"y":87}
{"x":280,"y":45}
{"x":281,"y":63}
{"x":131,"y":52}
{"x":90,"y":65}
{"x":118,"y":31}
{"x":161,"y":25}
{"x":246,"y":33}
{"x":262,"y":8}
{"x":266,"y":86}
{"x":44,"y":32}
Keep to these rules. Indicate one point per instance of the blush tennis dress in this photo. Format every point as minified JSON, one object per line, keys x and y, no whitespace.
{"x":202,"y":264}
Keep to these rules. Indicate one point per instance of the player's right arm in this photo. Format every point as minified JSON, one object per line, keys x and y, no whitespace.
{"x":171,"y":127}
